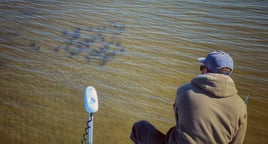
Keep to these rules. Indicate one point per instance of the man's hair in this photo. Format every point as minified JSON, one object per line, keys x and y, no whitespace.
{"x":224,"y":70}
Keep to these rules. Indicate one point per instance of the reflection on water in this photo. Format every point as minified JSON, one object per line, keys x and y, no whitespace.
{"x":135,"y":53}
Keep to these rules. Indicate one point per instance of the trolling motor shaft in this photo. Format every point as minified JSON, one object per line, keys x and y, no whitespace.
{"x":91,"y":106}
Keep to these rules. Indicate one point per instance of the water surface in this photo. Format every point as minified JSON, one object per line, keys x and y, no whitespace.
{"x":135,"y":53}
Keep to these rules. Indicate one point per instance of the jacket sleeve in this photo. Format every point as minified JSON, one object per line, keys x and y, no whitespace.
{"x":240,"y":135}
{"x":175,"y":106}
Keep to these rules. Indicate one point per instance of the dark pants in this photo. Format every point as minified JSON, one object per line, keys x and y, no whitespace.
{"x":144,"y":132}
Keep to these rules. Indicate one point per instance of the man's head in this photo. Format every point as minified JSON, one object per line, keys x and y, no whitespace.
{"x":217,"y":62}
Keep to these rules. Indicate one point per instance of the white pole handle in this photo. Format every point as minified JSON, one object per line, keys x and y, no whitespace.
{"x":91,"y":99}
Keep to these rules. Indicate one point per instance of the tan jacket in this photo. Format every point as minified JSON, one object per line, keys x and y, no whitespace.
{"x":209,"y":111}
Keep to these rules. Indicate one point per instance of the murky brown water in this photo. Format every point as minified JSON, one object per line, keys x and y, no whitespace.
{"x":135,"y":54}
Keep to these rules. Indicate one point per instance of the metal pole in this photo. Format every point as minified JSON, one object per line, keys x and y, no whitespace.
{"x":90,"y":125}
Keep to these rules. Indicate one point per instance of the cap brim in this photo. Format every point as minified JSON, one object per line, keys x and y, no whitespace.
{"x":202,"y":60}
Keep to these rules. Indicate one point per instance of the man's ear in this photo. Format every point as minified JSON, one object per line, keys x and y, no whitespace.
{"x":204,"y":70}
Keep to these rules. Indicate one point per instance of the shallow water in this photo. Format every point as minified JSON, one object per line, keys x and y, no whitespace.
{"x":135,"y":54}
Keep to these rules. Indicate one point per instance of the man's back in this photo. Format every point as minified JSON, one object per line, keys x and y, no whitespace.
{"x":208,"y":110}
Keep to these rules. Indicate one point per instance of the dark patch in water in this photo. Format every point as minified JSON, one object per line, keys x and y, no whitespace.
{"x":64,"y":32}
{"x":57,"y":48}
{"x":34,"y":47}
{"x":76,"y":34}
{"x":93,"y":43}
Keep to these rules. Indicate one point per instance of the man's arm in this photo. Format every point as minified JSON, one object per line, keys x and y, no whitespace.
{"x":240,"y":136}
